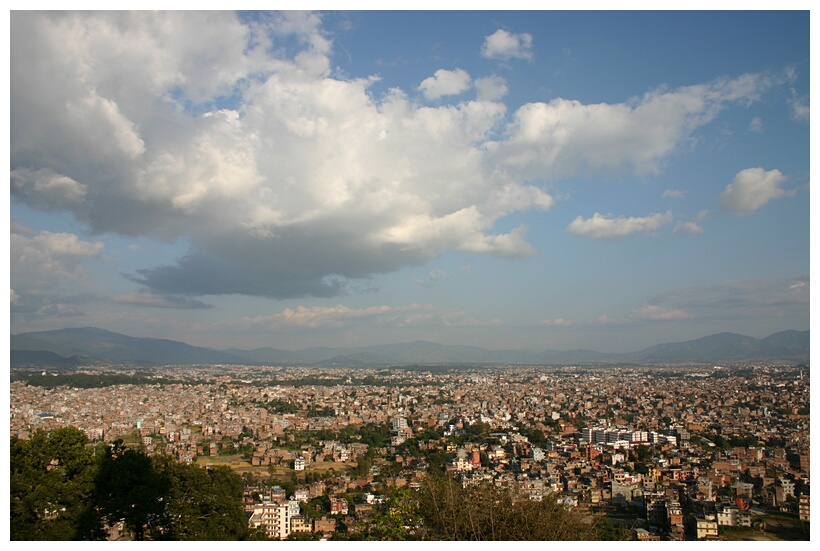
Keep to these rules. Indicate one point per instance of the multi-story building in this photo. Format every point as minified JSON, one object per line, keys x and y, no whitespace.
{"x":731,"y":515}
{"x":300,"y":525}
{"x":707,"y":528}
{"x":338,"y":506}
{"x":274,"y":517}
{"x":804,"y":507}
{"x":399,"y":423}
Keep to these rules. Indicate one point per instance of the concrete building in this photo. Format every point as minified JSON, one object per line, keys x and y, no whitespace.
{"x":274,"y":517}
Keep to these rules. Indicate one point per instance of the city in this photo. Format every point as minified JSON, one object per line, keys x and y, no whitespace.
{"x":421,"y":274}
{"x":670,"y":452}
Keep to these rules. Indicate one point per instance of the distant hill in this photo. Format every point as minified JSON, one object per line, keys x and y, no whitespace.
{"x":786,"y":345}
{"x":65,"y":347}
{"x":99,"y":343}
{"x":44,"y":358}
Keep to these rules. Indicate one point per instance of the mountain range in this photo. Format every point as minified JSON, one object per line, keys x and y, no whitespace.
{"x":88,"y":345}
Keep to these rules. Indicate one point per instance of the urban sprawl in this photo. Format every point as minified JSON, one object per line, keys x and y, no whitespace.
{"x":672,"y":452}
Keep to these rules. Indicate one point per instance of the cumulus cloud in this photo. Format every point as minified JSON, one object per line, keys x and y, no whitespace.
{"x":341,"y":317}
{"x":446,"y":83}
{"x":506,"y":45}
{"x":46,"y":187}
{"x":47,"y":267}
{"x":603,"y":227}
{"x":565,"y":137}
{"x":692,"y":227}
{"x":234,"y":134}
{"x":491,"y":88}
{"x":751,"y":189}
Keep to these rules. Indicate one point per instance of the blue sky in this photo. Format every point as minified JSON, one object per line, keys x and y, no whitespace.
{"x":542,"y":180}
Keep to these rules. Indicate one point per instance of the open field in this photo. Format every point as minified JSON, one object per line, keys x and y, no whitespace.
{"x":240,"y":466}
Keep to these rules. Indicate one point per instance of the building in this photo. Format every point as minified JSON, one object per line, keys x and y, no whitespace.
{"x":338,"y":506}
{"x":399,"y":423}
{"x":274,"y":517}
{"x":300,"y":525}
{"x":804,"y":507}
{"x":707,"y":528}
{"x":731,"y":515}
{"x":324,"y":525}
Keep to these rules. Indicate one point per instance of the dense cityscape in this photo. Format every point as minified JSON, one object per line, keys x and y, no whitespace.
{"x":410,"y":274}
{"x":662,"y":452}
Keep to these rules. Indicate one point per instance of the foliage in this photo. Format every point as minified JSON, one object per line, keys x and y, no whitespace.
{"x":52,"y":479}
{"x":87,"y":380}
{"x":127,"y":488}
{"x":203,"y":504}
{"x":281,"y":406}
{"x":486,"y":512}
{"x":397,"y":519}
{"x":748,"y":441}
{"x":64,"y":489}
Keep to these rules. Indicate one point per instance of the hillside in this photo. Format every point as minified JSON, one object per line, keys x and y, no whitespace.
{"x":93,"y":344}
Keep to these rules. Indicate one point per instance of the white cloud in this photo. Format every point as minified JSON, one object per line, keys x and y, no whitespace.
{"x":560,"y":322}
{"x":692,"y":227}
{"x":446,"y":83}
{"x":751,"y":189}
{"x":562,"y":137}
{"x":491,"y":88}
{"x":45,"y":267}
{"x":602,"y":227}
{"x":654,"y":312}
{"x":237,"y":137}
{"x":737,"y":300}
{"x":756,"y":125}
{"x":505,"y":45}
{"x":341,"y":317}
{"x":800,"y":107}
{"x":672,"y":194}
{"x":47,"y":187}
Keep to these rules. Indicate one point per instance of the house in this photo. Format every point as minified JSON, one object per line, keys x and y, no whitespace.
{"x":707,"y":528}
{"x":338,"y":506}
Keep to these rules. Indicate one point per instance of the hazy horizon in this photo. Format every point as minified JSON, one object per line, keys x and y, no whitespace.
{"x":507,"y":180}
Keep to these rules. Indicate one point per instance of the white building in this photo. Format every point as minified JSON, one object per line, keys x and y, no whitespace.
{"x":399,"y":423}
{"x":274,"y":517}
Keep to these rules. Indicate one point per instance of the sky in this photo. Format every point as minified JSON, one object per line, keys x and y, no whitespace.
{"x":504,"y":179}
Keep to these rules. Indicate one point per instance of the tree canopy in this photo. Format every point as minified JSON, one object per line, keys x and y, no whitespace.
{"x":64,"y":489}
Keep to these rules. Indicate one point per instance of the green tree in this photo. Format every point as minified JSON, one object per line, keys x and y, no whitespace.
{"x":64,"y":489}
{"x":397,"y":519}
{"x":203,"y":504}
{"x":129,"y":489}
{"x":51,"y":483}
